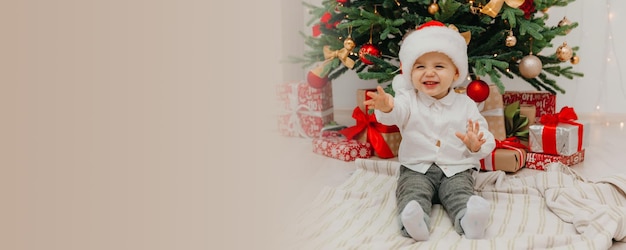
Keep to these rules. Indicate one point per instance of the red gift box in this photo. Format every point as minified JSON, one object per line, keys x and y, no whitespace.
{"x":304,"y":109}
{"x":544,"y":101}
{"x":301,"y":93}
{"x":391,"y":134}
{"x":539,"y":161}
{"x":304,"y":123}
{"x":335,"y":145}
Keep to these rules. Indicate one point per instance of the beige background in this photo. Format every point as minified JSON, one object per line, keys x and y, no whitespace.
{"x":137,"y":124}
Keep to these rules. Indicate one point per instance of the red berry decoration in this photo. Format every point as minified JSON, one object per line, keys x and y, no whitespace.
{"x":316,"y":81}
{"x":316,"y":30}
{"x":368,"y":49}
{"x":478,"y":90}
{"x":344,"y":2}
{"x":325,"y":17}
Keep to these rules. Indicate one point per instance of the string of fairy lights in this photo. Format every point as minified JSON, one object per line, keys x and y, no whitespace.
{"x":610,"y":47}
{"x":611,"y":62}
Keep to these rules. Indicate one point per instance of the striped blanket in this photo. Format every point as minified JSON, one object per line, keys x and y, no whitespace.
{"x":555,"y":209}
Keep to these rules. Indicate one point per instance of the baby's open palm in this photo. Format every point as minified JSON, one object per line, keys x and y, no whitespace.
{"x":473,"y":138}
{"x":379,"y":100}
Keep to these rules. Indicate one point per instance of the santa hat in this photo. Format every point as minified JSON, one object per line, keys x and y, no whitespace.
{"x":433,"y":36}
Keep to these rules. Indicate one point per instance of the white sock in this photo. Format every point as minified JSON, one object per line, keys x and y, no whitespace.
{"x":412,"y":218}
{"x":474,"y":222}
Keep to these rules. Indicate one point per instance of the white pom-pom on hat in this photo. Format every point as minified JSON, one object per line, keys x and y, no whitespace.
{"x":433,"y":36}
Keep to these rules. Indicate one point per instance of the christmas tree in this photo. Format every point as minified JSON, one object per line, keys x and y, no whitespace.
{"x":505,"y":38}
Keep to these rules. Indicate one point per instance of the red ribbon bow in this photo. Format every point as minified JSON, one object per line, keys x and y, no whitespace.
{"x":510,"y":143}
{"x":550,"y":121}
{"x":374,"y":130}
{"x":565,"y":115}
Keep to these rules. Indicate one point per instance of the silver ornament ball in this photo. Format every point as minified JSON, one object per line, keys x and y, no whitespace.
{"x":530,"y":66}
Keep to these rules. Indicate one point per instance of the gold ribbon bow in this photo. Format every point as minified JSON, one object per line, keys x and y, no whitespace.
{"x":493,"y":7}
{"x":329,"y":55}
{"x":342,"y":54}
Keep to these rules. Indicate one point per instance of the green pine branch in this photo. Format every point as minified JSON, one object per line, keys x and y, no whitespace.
{"x":385,"y":23}
{"x":448,"y":9}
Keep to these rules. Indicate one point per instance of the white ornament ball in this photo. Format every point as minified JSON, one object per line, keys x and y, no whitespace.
{"x":530,"y":66}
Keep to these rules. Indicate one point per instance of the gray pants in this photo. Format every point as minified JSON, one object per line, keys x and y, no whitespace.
{"x":434,"y":187}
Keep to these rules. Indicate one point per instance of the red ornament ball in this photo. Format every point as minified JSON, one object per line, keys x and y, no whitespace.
{"x":478,"y":90}
{"x":343,"y":1}
{"x":368,"y":49}
{"x":316,"y":81}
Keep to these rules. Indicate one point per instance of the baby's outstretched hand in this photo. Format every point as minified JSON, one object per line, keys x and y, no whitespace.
{"x":379,"y":100}
{"x":473,"y":138}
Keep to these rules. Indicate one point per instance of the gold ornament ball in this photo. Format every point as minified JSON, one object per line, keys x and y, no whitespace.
{"x":575,"y":60}
{"x":510,"y":40}
{"x":349,"y":44}
{"x":530,"y":66}
{"x":564,"y":53}
{"x":564,"y":22}
{"x":433,"y":8}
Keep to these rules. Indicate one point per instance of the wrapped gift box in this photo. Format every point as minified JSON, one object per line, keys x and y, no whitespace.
{"x":544,"y":101}
{"x":539,"y":161}
{"x":304,"y":123}
{"x":303,"y":109}
{"x":505,"y":159}
{"x":384,"y":140}
{"x":530,"y":112}
{"x":493,"y":111}
{"x":361,"y":96}
{"x":392,"y":139}
{"x":564,"y":137}
{"x":335,"y":145}
{"x":514,"y":118}
{"x":301,"y":93}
